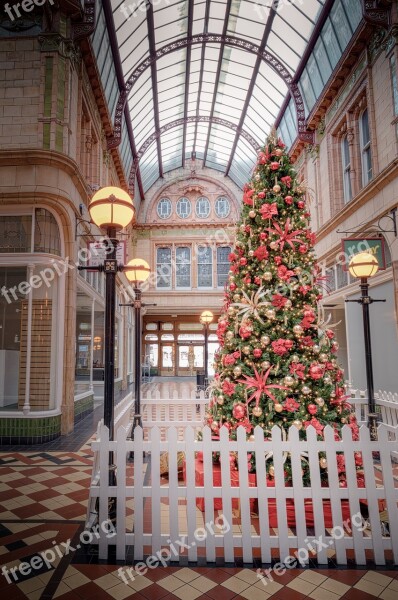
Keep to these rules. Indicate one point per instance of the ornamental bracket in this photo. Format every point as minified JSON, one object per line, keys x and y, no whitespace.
{"x":85,"y":27}
{"x":377,"y":12}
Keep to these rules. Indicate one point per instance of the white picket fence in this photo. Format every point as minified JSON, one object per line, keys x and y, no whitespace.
{"x":252,"y":538}
{"x":178,"y":410}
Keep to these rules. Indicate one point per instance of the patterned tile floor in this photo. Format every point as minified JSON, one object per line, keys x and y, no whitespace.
{"x":43,"y":505}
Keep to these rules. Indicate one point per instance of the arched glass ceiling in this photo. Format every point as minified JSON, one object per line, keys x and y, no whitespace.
{"x":212,"y":79}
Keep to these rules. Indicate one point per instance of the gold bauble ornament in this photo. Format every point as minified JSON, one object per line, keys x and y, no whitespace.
{"x":298,"y":330}
{"x":270,"y":314}
{"x":229,"y":335}
{"x":323,"y":463}
{"x":276,"y":189}
{"x":257,"y":411}
{"x":271,"y":471}
{"x":323,"y":357}
{"x":298,"y":424}
{"x":220,"y":400}
{"x":289,"y":381}
{"x":278,"y":152}
{"x":306,"y":390}
{"x":237,"y":371}
{"x":288,"y":304}
{"x":251,"y":253}
{"x":236,"y":297}
{"x":295,"y":358}
{"x":231,"y":311}
{"x":252,"y":214}
{"x":316,"y":349}
{"x":327,"y":380}
{"x":242,"y":228}
{"x":320,"y":401}
{"x":278,"y":408}
{"x":267,"y":276}
{"x":251,"y":438}
{"x":246,"y":350}
{"x":257,"y":177}
{"x":298,"y":270}
{"x":265,"y":365}
{"x":344,"y":420}
{"x":274,"y":245}
{"x":265,"y":340}
{"x":214,"y":426}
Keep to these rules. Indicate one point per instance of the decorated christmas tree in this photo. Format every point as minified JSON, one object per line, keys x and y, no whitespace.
{"x":277,"y":360}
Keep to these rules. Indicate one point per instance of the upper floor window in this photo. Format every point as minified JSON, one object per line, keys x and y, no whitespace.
{"x":366,"y":151}
{"x":164,"y":208}
{"x":223,"y":207}
{"x":183,"y":267}
{"x":202,"y":207}
{"x":205,"y":267}
{"x":16,"y":233}
{"x":346,"y":158}
{"x":222,"y":265}
{"x":163,"y":268}
{"x":394,"y":82}
{"x":183,"y":208}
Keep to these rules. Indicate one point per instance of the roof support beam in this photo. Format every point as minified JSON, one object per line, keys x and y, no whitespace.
{"x":154,"y":76}
{"x":177,"y":123}
{"x":110,"y":24}
{"x":218,"y":75}
{"x":227,"y":40}
{"x":202,"y":62}
{"x":256,"y":69}
{"x":187,"y":78}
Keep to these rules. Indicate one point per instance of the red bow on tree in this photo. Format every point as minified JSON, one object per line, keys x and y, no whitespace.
{"x":259,"y":384}
{"x":284,"y":236}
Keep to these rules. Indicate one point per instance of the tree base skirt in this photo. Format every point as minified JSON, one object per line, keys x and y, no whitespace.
{"x":272,"y":510}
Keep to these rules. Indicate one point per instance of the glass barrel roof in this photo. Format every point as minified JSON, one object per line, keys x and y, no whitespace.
{"x":229,"y":86}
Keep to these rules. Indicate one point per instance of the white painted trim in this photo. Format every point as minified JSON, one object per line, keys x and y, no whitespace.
{"x":83,"y":395}
{"x":39,"y":414}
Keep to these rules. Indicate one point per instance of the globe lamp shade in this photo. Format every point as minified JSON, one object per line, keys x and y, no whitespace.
{"x":137,"y":271}
{"x":206,"y":317}
{"x":111,"y":207}
{"x":363,"y":265}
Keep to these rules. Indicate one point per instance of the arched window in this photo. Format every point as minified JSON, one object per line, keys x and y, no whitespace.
{"x":202,"y":207}
{"x":366,"y":150}
{"x":184,"y":208}
{"x":346,"y":159}
{"x":164,"y":208}
{"x":163,"y":268}
{"x":223,"y":207}
{"x":222,"y":265}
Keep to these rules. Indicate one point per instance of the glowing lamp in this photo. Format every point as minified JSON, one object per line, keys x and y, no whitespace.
{"x":363,"y":265}
{"x":206,"y":317}
{"x":111,"y":207}
{"x":137,"y":271}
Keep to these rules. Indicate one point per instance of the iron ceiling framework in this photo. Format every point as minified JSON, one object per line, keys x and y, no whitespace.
{"x":191,"y":64}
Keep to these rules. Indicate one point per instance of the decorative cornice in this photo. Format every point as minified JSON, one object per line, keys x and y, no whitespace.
{"x":391,"y":40}
{"x":54,"y":42}
{"x":377,"y":12}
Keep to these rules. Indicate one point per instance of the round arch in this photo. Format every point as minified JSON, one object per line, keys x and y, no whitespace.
{"x":178,"y":122}
{"x":227,"y":40}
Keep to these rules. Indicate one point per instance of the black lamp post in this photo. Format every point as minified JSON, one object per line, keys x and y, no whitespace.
{"x":206,"y":318}
{"x":111,"y":209}
{"x":362,"y":266}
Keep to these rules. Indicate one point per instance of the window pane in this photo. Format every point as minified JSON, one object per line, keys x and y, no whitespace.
{"x":222,"y":265}
{"x":47,"y":237}
{"x":183,"y":267}
{"x":15,"y":233}
{"x":393,"y":63}
{"x":163,"y":267}
{"x":205,"y":267}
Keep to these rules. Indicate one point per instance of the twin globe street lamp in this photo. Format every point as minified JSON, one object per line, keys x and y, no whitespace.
{"x":111,"y":210}
{"x":363,"y":266}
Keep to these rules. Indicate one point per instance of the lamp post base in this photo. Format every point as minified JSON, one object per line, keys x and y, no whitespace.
{"x":137,"y":422}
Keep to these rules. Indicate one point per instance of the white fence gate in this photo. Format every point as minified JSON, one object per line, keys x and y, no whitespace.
{"x":251,"y":538}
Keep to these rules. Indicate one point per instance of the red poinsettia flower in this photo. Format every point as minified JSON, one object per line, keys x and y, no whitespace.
{"x":297,"y":369}
{"x":281,"y":347}
{"x":261,"y":253}
{"x":291,"y":405}
{"x":269,"y":210}
{"x":258,"y":382}
{"x":229,"y":360}
{"x":284,"y":273}
{"x":285,"y":235}
{"x":248,"y":198}
{"x":228,"y":388}
{"x":279,"y":301}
